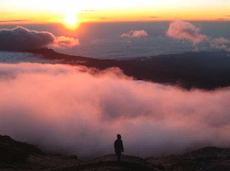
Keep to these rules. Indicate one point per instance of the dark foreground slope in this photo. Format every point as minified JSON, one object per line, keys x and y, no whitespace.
{"x":16,"y":155}
{"x":11,"y":153}
{"x":205,"y":159}
{"x":204,"y":70}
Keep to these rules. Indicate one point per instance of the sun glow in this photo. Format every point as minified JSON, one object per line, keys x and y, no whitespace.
{"x":68,"y":11}
{"x":71,"y":21}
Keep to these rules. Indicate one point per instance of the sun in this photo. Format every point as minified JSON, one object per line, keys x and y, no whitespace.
{"x":71,"y":21}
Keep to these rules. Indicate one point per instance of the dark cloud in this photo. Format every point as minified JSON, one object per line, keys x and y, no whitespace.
{"x":151,"y":17}
{"x":154,"y":17}
{"x":20,"y":39}
{"x":10,"y":21}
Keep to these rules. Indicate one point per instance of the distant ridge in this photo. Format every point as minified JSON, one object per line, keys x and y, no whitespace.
{"x":203,"y":70}
{"x":190,"y":70}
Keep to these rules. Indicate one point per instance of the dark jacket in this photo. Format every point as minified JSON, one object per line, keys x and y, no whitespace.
{"x":118,"y":146}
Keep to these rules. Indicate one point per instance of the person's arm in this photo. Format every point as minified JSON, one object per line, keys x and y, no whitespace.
{"x":122,"y":148}
{"x":115,"y":146}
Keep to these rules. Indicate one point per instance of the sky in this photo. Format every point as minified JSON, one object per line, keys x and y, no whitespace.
{"x":72,"y":11}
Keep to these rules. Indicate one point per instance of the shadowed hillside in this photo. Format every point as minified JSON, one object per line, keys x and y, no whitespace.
{"x":12,"y":151}
{"x":204,"y":70}
{"x":15,"y":155}
{"x":205,"y":159}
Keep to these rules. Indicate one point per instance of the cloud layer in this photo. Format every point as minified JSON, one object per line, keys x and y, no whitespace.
{"x":66,"y":109}
{"x":135,"y":34}
{"x":20,"y":39}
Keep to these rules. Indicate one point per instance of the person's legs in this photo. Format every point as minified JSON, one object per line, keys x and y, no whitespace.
{"x":118,"y":157}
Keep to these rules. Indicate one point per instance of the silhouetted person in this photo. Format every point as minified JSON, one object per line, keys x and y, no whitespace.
{"x":118,"y":146}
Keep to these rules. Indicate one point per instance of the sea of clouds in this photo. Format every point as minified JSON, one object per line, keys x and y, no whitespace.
{"x":75,"y":110}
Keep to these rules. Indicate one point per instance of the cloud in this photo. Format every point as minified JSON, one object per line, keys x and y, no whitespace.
{"x":222,"y":40}
{"x":222,"y":19}
{"x":153,"y":17}
{"x":135,"y":34}
{"x":187,"y":31}
{"x":9,"y":21}
{"x":65,"y":42}
{"x":105,"y":18}
{"x":21,"y":38}
{"x":220,"y":44}
{"x":63,"y":108}
{"x":89,"y":11}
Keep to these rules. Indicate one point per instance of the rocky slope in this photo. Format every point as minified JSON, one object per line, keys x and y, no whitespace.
{"x":16,"y":155}
{"x":20,"y":156}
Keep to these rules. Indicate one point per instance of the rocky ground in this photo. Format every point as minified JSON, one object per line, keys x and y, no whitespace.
{"x":25,"y":157}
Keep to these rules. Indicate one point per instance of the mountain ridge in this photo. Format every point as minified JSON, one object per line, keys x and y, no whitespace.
{"x":202,"y":70}
{"x":191,"y":70}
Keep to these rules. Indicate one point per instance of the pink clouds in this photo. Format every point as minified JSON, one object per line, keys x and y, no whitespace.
{"x":66,"y":109}
{"x":187,"y":31}
{"x":222,"y":40}
{"x":135,"y":34}
{"x":220,"y":44}
{"x":21,"y":39}
{"x":65,"y":42}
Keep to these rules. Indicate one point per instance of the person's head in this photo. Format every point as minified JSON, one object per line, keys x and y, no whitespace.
{"x":118,"y":136}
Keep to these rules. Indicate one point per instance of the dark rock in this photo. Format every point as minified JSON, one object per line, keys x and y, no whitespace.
{"x":12,"y":151}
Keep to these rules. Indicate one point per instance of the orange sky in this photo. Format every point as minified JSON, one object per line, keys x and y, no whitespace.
{"x":43,"y":11}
